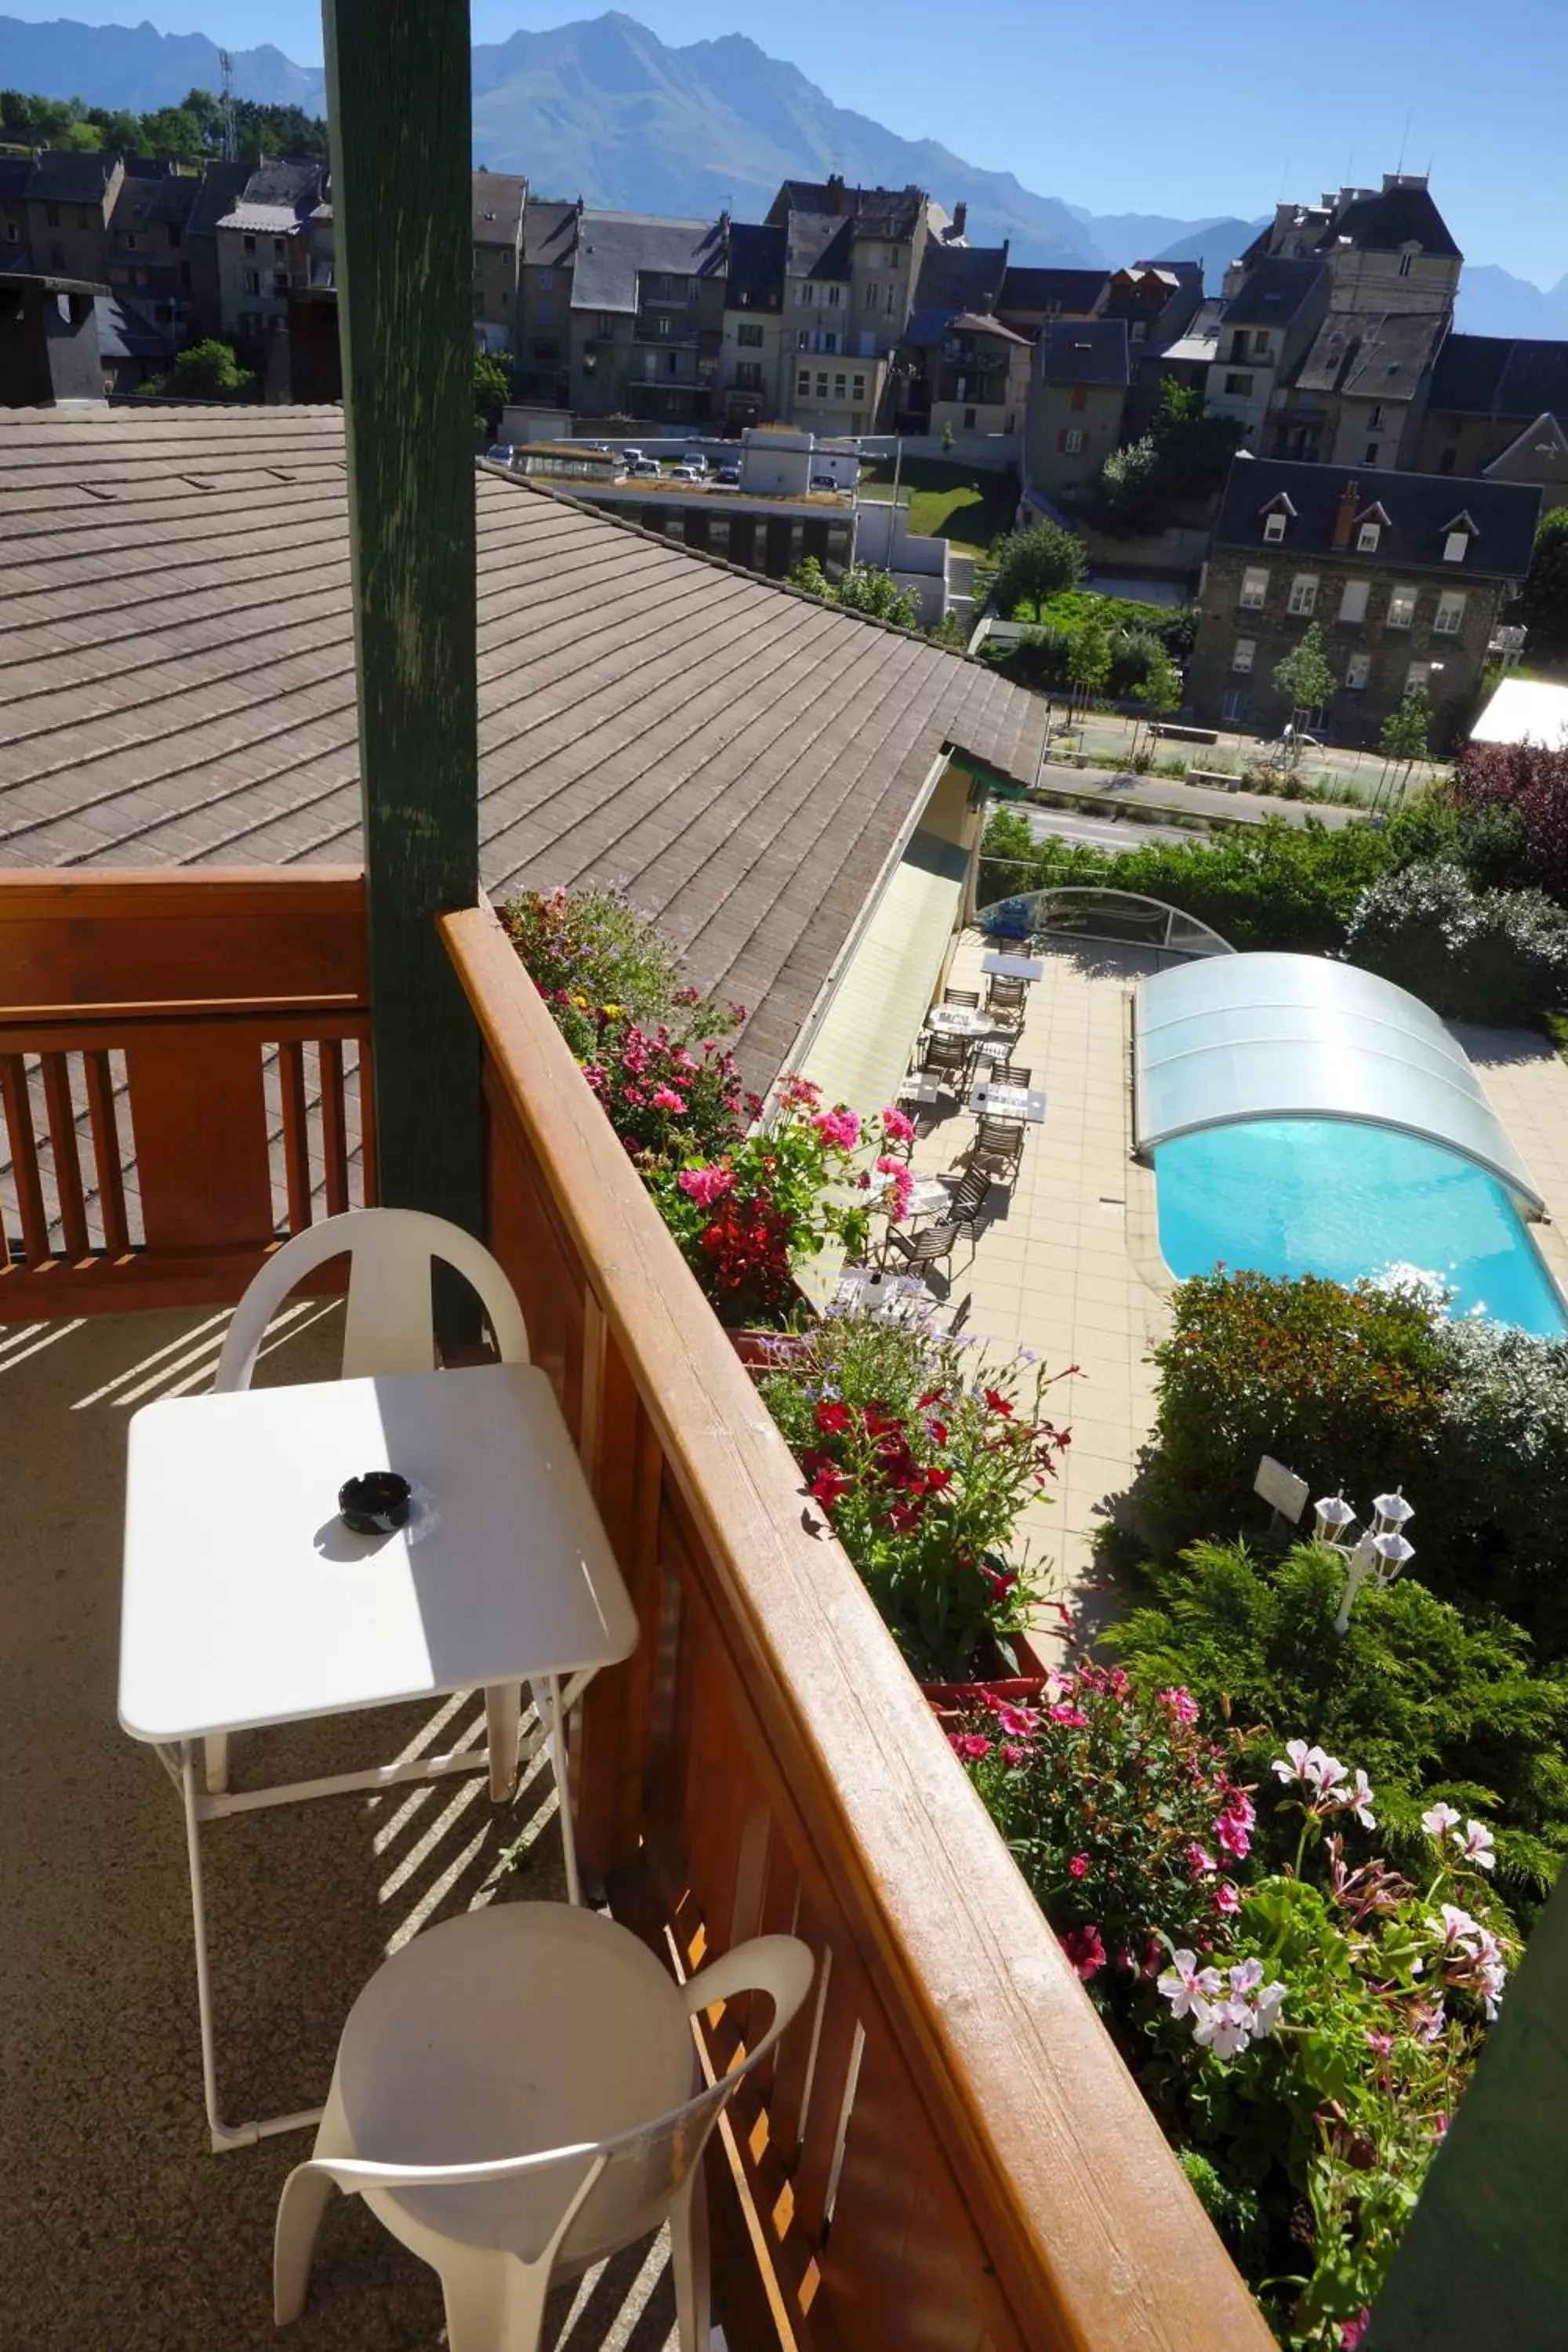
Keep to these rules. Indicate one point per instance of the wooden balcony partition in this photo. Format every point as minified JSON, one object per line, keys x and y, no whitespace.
{"x":948,"y":2155}
{"x":184,"y":1078}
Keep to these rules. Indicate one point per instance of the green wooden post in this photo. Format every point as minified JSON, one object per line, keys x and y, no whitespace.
{"x":398,"y":99}
{"x":1484,"y":2260}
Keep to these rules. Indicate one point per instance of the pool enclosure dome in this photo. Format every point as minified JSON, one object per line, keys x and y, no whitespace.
{"x":1231,"y":1038}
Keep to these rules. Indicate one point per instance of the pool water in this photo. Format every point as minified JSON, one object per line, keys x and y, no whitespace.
{"x":1349,"y":1200}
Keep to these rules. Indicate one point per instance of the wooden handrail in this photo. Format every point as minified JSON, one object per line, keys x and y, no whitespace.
{"x":1095,"y":2241}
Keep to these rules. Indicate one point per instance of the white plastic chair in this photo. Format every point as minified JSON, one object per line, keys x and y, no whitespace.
{"x":387,"y":1327}
{"x":517,"y":2096}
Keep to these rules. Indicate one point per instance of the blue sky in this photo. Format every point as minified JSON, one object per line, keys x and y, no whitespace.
{"x":1134,"y":105}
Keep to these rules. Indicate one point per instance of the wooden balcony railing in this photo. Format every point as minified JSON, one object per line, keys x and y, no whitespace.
{"x":949,"y":2154}
{"x":180,"y":1073}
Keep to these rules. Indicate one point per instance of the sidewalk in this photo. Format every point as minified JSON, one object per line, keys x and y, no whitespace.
{"x":1189,"y":803}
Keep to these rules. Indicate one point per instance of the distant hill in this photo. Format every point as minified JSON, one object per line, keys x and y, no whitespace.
{"x":1216,"y":244}
{"x":134,"y":67}
{"x":1492,"y":301}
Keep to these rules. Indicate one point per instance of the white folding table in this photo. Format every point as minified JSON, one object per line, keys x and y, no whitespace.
{"x":247,"y":1601}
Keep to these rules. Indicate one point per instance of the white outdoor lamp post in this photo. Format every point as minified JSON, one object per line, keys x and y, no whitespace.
{"x":1381,"y":1550}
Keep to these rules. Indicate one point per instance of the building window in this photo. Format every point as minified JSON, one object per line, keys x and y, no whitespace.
{"x":892,"y":300}
{"x":546,"y":351}
{"x":1274,"y":528}
{"x":1069,"y":441}
{"x":859,"y":387}
{"x":541,"y":314}
{"x":1417,"y":678}
{"x":839,"y":388}
{"x":870,"y":293}
{"x":1239,"y":386}
{"x":251,"y":281}
{"x":830,"y":340}
{"x":52,"y":215}
{"x":1254,"y":591}
{"x":1405,"y":259}
{"x":803,"y":339}
{"x":279,"y":248}
{"x":1352,"y":602}
{"x":1447,"y":459}
{"x":671,"y":364}
{"x":1080,"y":396}
{"x":803,"y":384}
{"x":12,"y":233}
{"x":1455,"y":547}
{"x":175,"y":235}
{"x":969,"y":420}
{"x":748,"y":376}
{"x":1401,"y":608}
{"x":1243,"y":655}
{"x":57,"y":257}
{"x":750,"y":337}
{"x":605,"y":325}
{"x":1357,"y":671}
{"x":822,"y":386}
{"x":279,"y":282}
{"x":1233,"y":709}
{"x":1450,"y":617}
{"x":1372,"y":451}
{"x":662,"y":323}
{"x":1303,"y":595}
{"x":834,"y":297}
{"x":892,"y":258}
{"x":547,"y":278}
{"x":1367,"y":537}
{"x":250,"y":244}
{"x":130,"y":240}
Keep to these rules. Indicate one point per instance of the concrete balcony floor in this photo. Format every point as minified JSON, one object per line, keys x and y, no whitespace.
{"x":123,"y":2230}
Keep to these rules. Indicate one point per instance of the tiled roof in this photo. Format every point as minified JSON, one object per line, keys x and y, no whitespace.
{"x":176,"y":685}
{"x":1273,"y":293}
{"x":126,"y":332}
{"x":1038,"y":290}
{"x":548,"y":231}
{"x":613,"y":246}
{"x":153,"y":197}
{"x":1421,"y":508}
{"x":1491,"y":375}
{"x":959,"y":277}
{"x":298,"y":185}
{"x":498,"y":199}
{"x":1372,"y":355}
{"x":755,"y":281}
{"x":266,"y":220}
{"x":62,"y":177}
{"x":876,"y":212}
{"x":1085,"y":351}
{"x":15,"y":172}
{"x":1385,"y":221}
{"x":222,"y":185}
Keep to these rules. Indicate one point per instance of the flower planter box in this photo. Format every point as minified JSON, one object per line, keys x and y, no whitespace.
{"x":959,"y":1698}
{"x":769,"y":1352}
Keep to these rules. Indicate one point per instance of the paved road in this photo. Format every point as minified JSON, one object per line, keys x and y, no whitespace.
{"x":1099,"y":832}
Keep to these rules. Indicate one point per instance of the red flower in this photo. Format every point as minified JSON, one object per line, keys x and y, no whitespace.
{"x":970,"y":1745}
{"x":936,"y":1478}
{"x":829,"y":1485}
{"x":1086,"y":1949}
{"x":931,"y":1396}
{"x":938,"y":1432}
{"x":1078,"y":1867}
{"x":1000,"y":1580}
{"x":831,"y":1418}
{"x":998,"y":1403}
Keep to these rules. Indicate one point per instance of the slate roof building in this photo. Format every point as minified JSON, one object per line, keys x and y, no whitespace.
{"x":1077,"y":405}
{"x":543,"y":346}
{"x":1272,"y":315}
{"x":752,"y":386}
{"x":853,"y":258}
{"x":498,"y":199}
{"x":1030,"y":297}
{"x":1388,"y":248}
{"x":1359,"y":396}
{"x":647,"y":316}
{"x":1405,"y":575}
{"x":759,"y":769}
{"x":1499,"y":407}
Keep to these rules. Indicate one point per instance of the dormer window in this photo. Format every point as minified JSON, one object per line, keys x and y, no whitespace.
{"x":1274,"y":528}
{"x":1367,"y":537}
{"x":1455,"y":547}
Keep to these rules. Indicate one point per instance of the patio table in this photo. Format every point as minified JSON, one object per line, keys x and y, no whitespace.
{"x":891,"y":1298}
{"x":247,"y":1602}
{"x":1012,"y":967}
{"x":960,"y":1020}
{"x":1008,"y":1102}
{"x":929,"y":1197}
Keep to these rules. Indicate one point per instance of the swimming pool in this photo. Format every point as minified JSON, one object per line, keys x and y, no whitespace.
{"x":1349,"y":1199}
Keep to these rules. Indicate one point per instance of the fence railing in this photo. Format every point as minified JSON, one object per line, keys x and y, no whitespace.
{"x":948,"y":2151}
{"x":184,"y":1078}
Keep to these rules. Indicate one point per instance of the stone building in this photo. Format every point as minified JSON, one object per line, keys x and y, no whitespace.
{"x":1405,"y":573}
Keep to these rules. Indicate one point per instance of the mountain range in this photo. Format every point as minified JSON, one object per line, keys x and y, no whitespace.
{"x":604,"y":110}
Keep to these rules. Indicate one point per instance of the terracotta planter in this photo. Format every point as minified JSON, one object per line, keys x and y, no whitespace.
{"x":1022,"y":1688}
{"x":767,"y":1352}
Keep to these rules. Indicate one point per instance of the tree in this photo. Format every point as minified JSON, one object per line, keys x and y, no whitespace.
{"x":1544,"y":602}
{"x":1532,"y":781}
{"x":1034,"y":565}
{"x":863,"y":589}
{"x":1161,"y":689}
{"x":1406,"y":732}
{"x":1305,"y":679}
{"x":1184,"y":457}
{"x":1089,"y":662}
{"x":492,"y":390}
{"x":206,"y":370}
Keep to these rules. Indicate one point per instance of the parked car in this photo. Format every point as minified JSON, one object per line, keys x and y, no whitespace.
{"x":825,"y":482}
{"x":499,"y":452}
{"x":684,"y":473}
{"x":697,"y":460}
{"x":633,"y":458}
{"x":730,"y":476}
{"x":639,"y":468}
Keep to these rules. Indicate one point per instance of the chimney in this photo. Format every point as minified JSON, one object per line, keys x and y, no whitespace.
{"x":1349,"y":499}
{"x":836,"y":198}
{"x":960,"y":218}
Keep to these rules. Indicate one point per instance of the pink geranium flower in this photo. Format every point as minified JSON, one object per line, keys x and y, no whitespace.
{"x":1078,"y":1867}
{"x":897,"y":1127}
{"x":1182,"y":1705}
{"x":666,"y":1098}
{"x":1085,"y":1947}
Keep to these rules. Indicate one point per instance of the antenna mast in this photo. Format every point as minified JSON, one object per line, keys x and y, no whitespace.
{"x":230,"y":137}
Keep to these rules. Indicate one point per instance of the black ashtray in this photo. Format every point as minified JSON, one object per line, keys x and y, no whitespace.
{"x":375,"y":1503}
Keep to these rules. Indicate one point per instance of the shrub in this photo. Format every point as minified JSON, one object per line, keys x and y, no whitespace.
{"x":1533,"y":782}
{"x":590,"y":949}
{"x":1431,"y":1701}
{"x":1346,"y":1384}
{"x":1501,"y":1477}
{"x":921,"y":1469}
{"x":1123,"y":1817}
{"x":1487,"y":955}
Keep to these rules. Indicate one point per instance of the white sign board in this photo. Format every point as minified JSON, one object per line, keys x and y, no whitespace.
{"x":1281,"y":1487}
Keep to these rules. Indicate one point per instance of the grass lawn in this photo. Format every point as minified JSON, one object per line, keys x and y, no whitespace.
{"x":957,"y":503}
